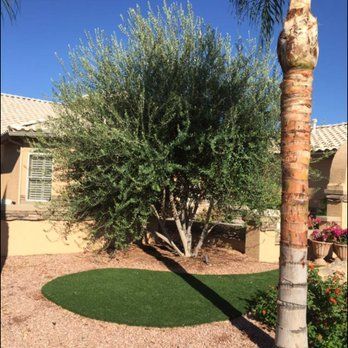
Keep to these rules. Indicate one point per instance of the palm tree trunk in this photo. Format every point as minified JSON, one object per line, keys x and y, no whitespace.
{"x":297,"y":52}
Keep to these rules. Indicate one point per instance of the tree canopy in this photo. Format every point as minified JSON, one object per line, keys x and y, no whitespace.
{"x":9,"y":8}
{"x":171,"y":118}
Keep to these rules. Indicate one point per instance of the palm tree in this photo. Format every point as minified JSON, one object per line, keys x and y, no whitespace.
{"x":9,"y":8}
{"x":297,"y":54}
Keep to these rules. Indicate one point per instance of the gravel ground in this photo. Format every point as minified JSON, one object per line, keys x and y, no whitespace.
{"x":29,"y":320}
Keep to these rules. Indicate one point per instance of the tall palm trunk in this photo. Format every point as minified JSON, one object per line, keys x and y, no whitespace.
{"x":297,"y":52}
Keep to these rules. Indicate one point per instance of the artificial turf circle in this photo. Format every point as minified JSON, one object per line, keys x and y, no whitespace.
{"x":156,"y":299}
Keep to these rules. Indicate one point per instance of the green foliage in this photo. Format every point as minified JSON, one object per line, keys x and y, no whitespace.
{"x":173,"y":111}
{"x":326,"y":313}
{"x":9,"y":8}
{"x":266,"y":13}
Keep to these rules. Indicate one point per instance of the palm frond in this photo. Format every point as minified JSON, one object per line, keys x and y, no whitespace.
{"x":9,"y":8}
{"x":266,"y":13}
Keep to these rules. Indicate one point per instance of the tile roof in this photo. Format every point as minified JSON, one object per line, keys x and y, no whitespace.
{"x":31,"y":126}
{"x":17,"y":111}
{"x":27,"y":114}
{"x":328,"y":137}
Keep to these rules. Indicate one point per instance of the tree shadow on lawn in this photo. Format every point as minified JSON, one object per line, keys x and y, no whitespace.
{"x":254,"y":333}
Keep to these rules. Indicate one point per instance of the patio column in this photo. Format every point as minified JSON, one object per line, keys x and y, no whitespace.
{"x":336,"y":192}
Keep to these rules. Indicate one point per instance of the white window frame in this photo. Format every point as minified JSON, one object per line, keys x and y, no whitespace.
{"x":28,"y":179}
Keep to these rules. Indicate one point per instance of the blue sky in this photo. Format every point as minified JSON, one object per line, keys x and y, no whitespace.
{"x":43,"y":27}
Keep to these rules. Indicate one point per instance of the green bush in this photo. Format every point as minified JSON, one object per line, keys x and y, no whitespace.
{"x":326,"y":312}
{"x":175,"y":117}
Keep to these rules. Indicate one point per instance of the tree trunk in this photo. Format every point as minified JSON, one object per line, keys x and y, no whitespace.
{"x":206,"y":230}
{"x":182,"y":232}
{"x":297,"y":53}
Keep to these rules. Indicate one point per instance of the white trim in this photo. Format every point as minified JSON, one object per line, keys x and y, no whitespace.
{"x":27,"y":185}
{"x":20,"y":175}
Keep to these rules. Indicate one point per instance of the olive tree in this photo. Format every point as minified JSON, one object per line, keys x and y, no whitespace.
{"x":157,"y":125}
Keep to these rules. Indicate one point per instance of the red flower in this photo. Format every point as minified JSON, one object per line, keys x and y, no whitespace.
{"x":311,"y":266}
{"x":337,"y":291}
{"x":327,"y":291}
{"x":332,"y":300}
{"x":264,"y":312}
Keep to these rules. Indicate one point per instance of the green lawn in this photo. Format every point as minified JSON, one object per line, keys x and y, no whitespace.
{"x":156,"y":299}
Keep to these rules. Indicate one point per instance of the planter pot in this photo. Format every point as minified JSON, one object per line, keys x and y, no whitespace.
{"x":320,"y":251}
{"x":341,"y":251}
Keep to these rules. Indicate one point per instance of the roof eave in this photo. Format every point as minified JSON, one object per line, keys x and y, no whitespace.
{"x":22,"y":134}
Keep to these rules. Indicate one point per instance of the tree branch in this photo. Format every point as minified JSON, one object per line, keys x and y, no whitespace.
{"x":205,"y":230}
{"x":179,"y":225}
{"x":169,"y":242}
{"x":166,"y":238}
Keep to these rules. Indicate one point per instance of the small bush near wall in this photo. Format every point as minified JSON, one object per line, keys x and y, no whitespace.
{"x":326,"y":313}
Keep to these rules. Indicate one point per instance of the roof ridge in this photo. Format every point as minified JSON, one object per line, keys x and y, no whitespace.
{"x":26,"y":98}
{"x":332,"y":125}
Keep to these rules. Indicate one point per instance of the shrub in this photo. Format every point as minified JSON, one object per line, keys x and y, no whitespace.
{"x":326,"y":311}
{"x":173,"y":118}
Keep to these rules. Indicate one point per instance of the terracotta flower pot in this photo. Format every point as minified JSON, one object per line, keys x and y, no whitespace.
{"x":341,"y":251}
{"x":320,"y":251}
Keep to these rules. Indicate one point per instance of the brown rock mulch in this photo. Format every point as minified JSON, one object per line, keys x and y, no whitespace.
{"x":29,"y":320}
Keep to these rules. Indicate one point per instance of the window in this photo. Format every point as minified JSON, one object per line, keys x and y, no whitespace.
{"x":39,"y":178}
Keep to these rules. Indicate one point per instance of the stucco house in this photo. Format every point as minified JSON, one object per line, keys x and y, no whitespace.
{"x":26,"y":177}
{"x":328,"y":196}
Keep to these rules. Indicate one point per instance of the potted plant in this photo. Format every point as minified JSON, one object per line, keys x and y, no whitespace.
{"x":340,"y":242}
{"x":321,"y":242}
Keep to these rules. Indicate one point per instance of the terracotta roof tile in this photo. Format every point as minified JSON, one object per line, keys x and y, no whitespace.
{"x":328,"y":137}
{"x":18,"y":111}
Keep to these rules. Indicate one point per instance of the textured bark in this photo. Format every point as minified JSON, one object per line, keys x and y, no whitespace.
{"x":206,"y":230}
{"x":182,"y":232}
{"x":184,"y":221}
{"x":166,"y":237}
{"x":298,"y":53}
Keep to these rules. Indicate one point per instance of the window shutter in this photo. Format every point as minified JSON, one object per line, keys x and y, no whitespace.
{"x":40,"y":177}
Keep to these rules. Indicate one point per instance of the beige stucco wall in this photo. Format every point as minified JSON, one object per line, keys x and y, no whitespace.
{"x":269,"y":246}
{"x":20,"y":237}
{"x":10,"y":171}
{"x":336,"y":191}
{"x":262,"y":242}
{"x":262,"y":245}
{"x":344,"y":222}
{"x":317,"y":187}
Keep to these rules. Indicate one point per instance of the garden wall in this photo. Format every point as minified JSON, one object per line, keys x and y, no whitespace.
{"x":261,"y":242}
{"x":26,"y":233}
{"x":31,"y":235}
{"x":20,"y":237}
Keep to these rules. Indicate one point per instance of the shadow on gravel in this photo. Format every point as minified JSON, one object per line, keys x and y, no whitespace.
{"x":254,"y":333}
{"x":4,"y":241}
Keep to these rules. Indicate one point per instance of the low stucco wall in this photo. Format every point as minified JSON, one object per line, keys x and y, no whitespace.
{"x":263,"y":242}
{"x":20,"y":237}
{"x":263,"y":245}
{"x":269,"y":246}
